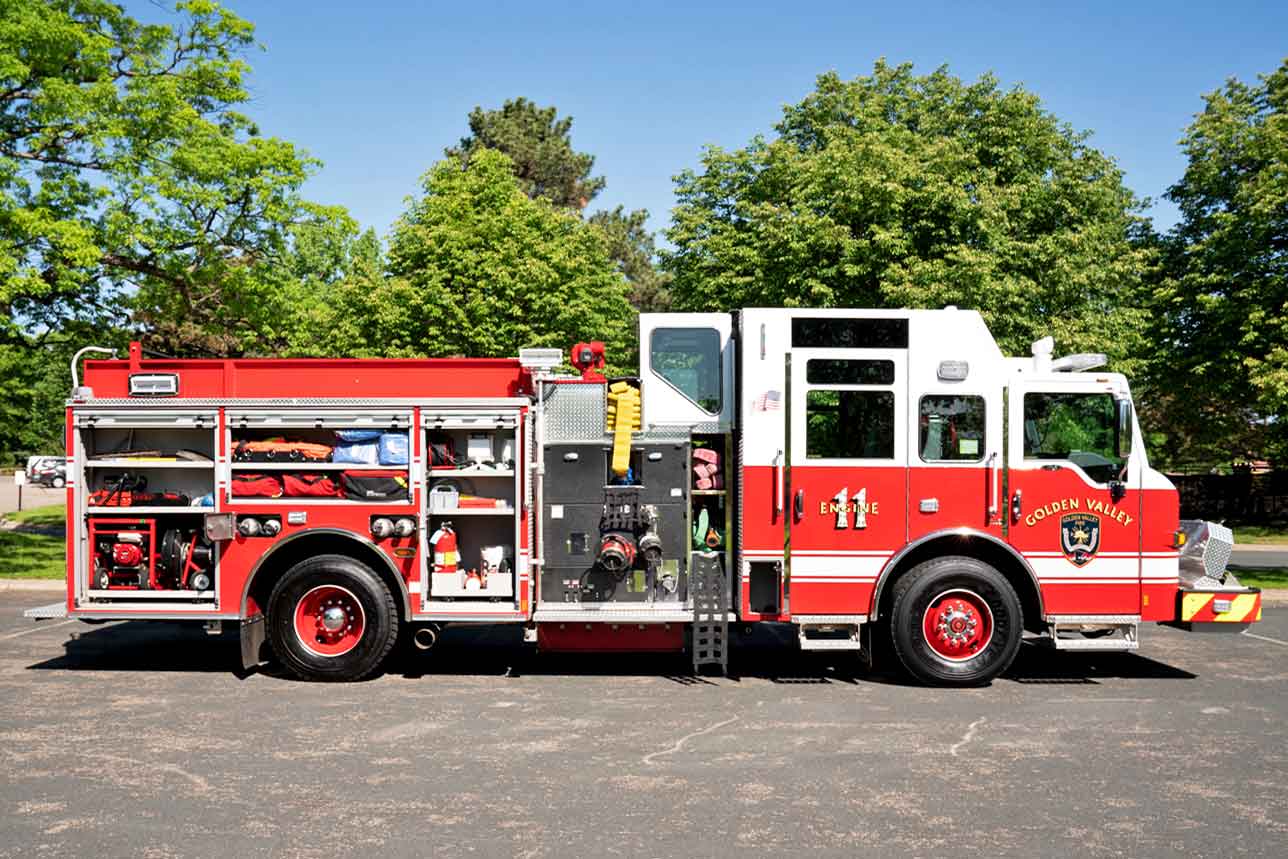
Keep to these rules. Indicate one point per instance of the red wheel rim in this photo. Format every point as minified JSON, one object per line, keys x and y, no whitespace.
{"x":958,"y":625}
{"x":329,"y":621}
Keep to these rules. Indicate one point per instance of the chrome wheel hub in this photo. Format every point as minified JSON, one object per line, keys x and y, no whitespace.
{"x":333,"y":618}
{"x":956,"y":625}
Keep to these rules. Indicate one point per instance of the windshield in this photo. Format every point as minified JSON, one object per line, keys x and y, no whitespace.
{"x":1075,"y":427}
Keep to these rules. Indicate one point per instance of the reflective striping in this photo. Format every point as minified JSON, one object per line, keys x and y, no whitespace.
{"x":1199,"y":607}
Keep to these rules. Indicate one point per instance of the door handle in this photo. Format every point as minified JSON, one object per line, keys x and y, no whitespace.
{"x":991,"y":468}
{"x":1017,"y":506}
{"x":778,"y":484}
{"x":798,"y":505}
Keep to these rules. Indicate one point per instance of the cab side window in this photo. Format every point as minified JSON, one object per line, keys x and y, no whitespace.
{"x":1077,"y":428}
{"x":849,"y":424}
{"x":952,"y":428}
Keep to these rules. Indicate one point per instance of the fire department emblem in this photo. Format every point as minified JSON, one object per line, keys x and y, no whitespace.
{"x":1080,"y":536}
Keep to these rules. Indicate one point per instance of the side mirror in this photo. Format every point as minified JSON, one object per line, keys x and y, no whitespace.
{"x":1122,"y":432}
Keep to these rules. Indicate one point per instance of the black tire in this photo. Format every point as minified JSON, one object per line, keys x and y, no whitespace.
{"x":378,"y":630}
{"x":942,"y":578}
{"x":59,"y":482}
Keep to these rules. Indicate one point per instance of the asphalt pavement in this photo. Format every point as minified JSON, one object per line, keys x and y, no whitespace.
{"x":32,"y":495}
{"x":1258,"y":556}
{"x":142,"y":739}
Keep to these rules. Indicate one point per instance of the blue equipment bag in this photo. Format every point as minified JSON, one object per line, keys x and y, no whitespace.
{"x":393,"y":448}
{"x":357,"y":452}
{"x":351,"y":435}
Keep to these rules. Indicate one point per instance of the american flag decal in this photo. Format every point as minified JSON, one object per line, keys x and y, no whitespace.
{"x":770,"y":401}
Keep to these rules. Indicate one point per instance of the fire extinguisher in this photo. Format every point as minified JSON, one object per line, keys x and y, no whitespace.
{"x":444,"y":543}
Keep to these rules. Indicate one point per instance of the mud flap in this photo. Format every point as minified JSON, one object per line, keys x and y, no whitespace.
{"x":252,"y":640}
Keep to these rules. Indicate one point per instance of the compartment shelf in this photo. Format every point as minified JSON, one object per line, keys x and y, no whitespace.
{"x":314,"y":466}
{"x":474,"y":511}
{"x":128,"y":512}
{"x":470,"y":472}
{"x":244,"y":500}
{"x":709,"y":491}
{"x":135,"y":594}
{"x":147,"y":463}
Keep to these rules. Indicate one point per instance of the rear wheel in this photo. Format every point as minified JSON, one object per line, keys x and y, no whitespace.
{"x":59,"y":481}
{"x":955,"y":621}
{"x":332,"y":618}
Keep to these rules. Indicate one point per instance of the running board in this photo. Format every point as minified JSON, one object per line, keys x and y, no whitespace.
{"x":1104,"y":637}
{"x":614,"y":615}
{"x":47,"y":612}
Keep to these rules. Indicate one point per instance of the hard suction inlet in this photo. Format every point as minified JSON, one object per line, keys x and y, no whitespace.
{"x":616,"y":552}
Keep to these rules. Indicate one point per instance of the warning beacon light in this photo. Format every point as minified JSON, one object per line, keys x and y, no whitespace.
{"x":589,"y":358}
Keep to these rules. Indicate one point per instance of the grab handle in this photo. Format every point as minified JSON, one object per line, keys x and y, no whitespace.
{"x":778,"y":484}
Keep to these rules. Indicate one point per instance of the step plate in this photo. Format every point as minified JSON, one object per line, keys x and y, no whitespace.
{"x":1102,"y":644}
{"x":830,"y":644}
{"x":47,"y":612}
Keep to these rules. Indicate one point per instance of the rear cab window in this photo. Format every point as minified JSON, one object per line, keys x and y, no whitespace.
{"x":688,"y":359}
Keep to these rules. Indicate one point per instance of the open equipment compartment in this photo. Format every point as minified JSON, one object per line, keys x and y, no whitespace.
{"x":143,"y":481}
{"x":474,"y":462}
{"x":296,"y":450}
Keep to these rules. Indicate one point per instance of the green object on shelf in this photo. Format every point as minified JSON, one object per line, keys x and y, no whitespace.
{"x":700,"y":528}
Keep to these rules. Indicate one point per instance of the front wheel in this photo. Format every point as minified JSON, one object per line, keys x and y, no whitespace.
{"x":956,"y":621}
{"x":332,"y":618}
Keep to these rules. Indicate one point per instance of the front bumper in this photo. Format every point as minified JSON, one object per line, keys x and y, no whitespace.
{"x":1217,"y":609}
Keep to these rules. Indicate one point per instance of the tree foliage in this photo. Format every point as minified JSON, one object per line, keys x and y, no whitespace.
{"x":1222,"y":367}
{"x":477,"y":268}
{"x":632,"y":247}
{"x":124,"y":161}
{"x":894,"y":190}
{"x":539,"y":145}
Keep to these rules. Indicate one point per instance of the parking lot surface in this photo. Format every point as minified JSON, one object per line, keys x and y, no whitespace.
{"x":32,"y":495}
{"x":144,"y":740}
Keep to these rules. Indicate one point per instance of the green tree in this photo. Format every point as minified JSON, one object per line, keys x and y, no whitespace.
{"x":539,"y":145}
{"x":124,"y":162}
{"x":477,"y":268}
{"x":631,"y":246}
{"x":894,"y":190}
{"x":1223,"y":367}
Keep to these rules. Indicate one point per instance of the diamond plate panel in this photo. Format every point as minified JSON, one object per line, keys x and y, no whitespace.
{"x":575,"y":412}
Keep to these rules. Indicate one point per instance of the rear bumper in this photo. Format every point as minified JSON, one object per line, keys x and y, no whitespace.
{"x":1227,"y":610}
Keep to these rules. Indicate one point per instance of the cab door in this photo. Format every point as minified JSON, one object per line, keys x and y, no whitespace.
{"x":848,"y":474}
{"x":1075,"y":494}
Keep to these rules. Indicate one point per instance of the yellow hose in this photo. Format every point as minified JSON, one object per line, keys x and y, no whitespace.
{"x":623,"y":418}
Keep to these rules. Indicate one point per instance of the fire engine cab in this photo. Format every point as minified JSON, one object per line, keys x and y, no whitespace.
{"x":863,"y":475}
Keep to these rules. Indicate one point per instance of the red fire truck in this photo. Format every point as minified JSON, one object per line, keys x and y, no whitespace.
{"x":853,"y":473}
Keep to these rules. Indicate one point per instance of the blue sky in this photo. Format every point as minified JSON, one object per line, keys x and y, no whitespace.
{"x":377,"y":89}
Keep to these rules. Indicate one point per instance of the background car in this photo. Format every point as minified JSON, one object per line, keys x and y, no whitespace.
{"x":48,"y":471}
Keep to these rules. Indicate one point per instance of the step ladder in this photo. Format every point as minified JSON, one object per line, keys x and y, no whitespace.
{"x":709,"y":590}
